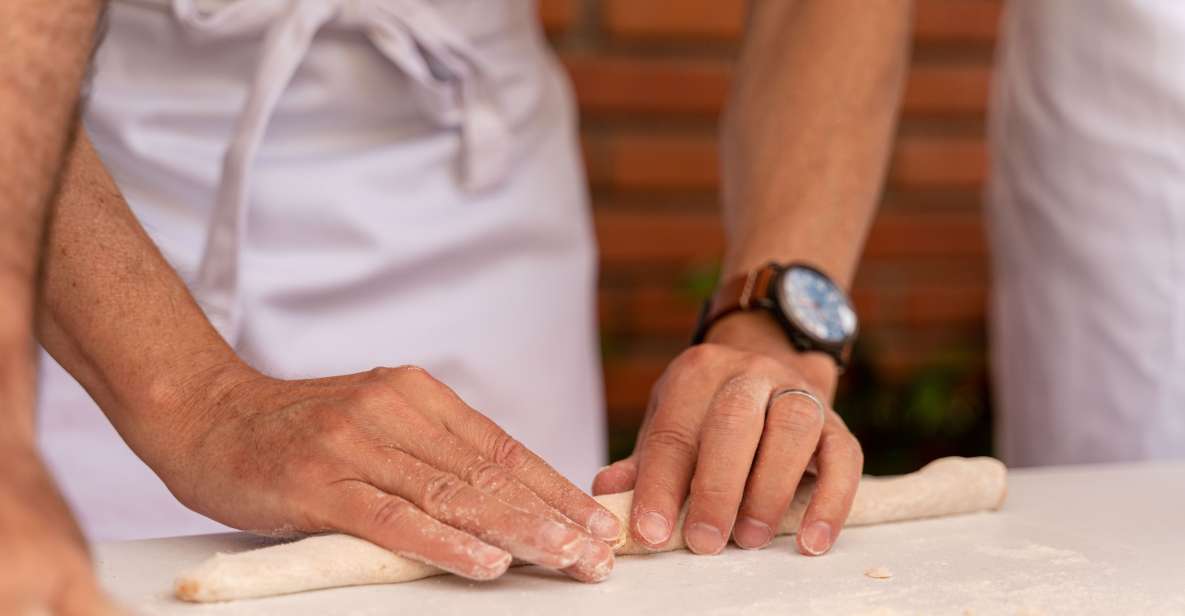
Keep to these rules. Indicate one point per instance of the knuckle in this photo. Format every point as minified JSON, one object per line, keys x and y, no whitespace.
{"x":508,"y":452}
{"x":674,"y":441}
{"x":857,"y":452}
{"x":409,"y":374}
{"x":743,"y":395}
{"x":698,"y":357}
{"x":712,"y":492}
{"x":380,"y":373}
{"x":487,"y":477}
{"x":745,"y":384}
{"x":403,"y":377}
{"x":441,"y":492}
{"x":374,"y":394}
{"x":800,"y":417}
{"x":391,"y":512}
{"x":841,"y":444}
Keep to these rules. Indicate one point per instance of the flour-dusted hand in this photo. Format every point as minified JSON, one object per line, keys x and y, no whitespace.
{"x":713,"y":436}
{"x":44,"y":564}
{"x":391,"y":455}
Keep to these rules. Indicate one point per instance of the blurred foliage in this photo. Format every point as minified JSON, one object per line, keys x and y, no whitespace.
{"x":699,"y":281}
{"x":621,"y":441}
{"x":942,"y":409}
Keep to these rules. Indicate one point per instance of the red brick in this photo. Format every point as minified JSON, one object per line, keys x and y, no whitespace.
{"x":651,"y":162}
{"x":934,"y":235}
{"x":682,"y":238}
{"x":939,"y":162}
{"x":627,"y":239}
{"x":956,"y":20}
{"x":965,"y":305}
{"x":629,"y":85}
{"x":656,"y":162}
{"x":557,"y":15}
{"x":960,"y":89}
{"x":627,"y":387}
{"x":712,"y":19}
{"x":617,"y":85}
{"x":648,"y":310}
{"x":944,"y":21}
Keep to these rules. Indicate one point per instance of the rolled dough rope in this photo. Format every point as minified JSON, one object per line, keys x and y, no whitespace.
{"x":944,"y":487}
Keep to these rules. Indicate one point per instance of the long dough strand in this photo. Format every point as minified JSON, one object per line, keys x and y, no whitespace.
{"x":948,"y":486}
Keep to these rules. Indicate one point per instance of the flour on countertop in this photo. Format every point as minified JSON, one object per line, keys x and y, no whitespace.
{"x":1035,"y":551}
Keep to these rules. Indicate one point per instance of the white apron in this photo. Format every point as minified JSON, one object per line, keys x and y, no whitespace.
{"x":1087,"y":218}
{"x":348,"y":184}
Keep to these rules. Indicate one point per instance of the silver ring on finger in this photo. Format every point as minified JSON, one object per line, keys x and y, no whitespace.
{"x":798,"y":391}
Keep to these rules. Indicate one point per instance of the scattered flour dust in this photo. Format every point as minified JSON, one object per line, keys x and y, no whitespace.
{"x":1034,"y":552}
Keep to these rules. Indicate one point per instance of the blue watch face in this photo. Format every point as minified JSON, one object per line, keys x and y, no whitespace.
{"x":816,"y":305}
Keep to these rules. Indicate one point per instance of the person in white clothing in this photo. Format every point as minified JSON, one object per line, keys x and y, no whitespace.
{"x":350,"y":184}
{"x":1086,"y":206}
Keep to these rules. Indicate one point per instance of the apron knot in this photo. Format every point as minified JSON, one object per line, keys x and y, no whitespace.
{"x":451,"y":81}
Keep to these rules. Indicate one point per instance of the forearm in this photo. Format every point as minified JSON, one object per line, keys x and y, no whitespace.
{"x":117,"y":316}
{"x":804,"y":142}
{"x":806,"y":135}
{"x":45,"y":47}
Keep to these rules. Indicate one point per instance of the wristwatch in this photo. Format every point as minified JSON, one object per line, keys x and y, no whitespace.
{"x":813,"y":311}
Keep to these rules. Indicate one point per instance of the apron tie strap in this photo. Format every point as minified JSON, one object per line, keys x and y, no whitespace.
{"x":453,"y":85}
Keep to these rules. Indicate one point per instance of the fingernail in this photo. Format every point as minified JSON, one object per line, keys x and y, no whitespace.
{"x":704,"y":538}
{"x":491,"y":557}
{"x":605,"y":526}
{"x":654,"y":528}
{"x":816,"y":538}
{"x":598,"y":559}
{"x":566,"y":541}
{"x":752,"y":534}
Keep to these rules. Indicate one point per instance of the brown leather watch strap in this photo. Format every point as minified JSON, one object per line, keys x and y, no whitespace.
{"x":754,"y":291}
{"x":738,"y":293}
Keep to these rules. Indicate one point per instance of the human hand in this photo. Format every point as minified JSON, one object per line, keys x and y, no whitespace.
{"x":392,"y":456}
{"x":710,"y":439}
{"x":44,"y":566}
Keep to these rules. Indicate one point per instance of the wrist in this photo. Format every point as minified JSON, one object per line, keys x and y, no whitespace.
{"x":30,"y":500}
{"x":175,"y":413}
{"x":758,"y":331}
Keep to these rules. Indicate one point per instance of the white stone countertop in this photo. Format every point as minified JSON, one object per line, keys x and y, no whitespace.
{"x":1069,"y":540}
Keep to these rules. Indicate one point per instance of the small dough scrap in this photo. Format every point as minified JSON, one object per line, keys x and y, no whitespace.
{"x":879,"y":573}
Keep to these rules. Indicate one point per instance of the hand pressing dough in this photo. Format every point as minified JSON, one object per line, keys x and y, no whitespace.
{"x":944,"y":487}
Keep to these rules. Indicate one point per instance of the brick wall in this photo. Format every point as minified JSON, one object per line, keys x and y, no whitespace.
{"x":651,"y":76}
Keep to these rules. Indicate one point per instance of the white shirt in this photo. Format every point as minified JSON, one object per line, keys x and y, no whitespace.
{"x":1087,"y":218}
